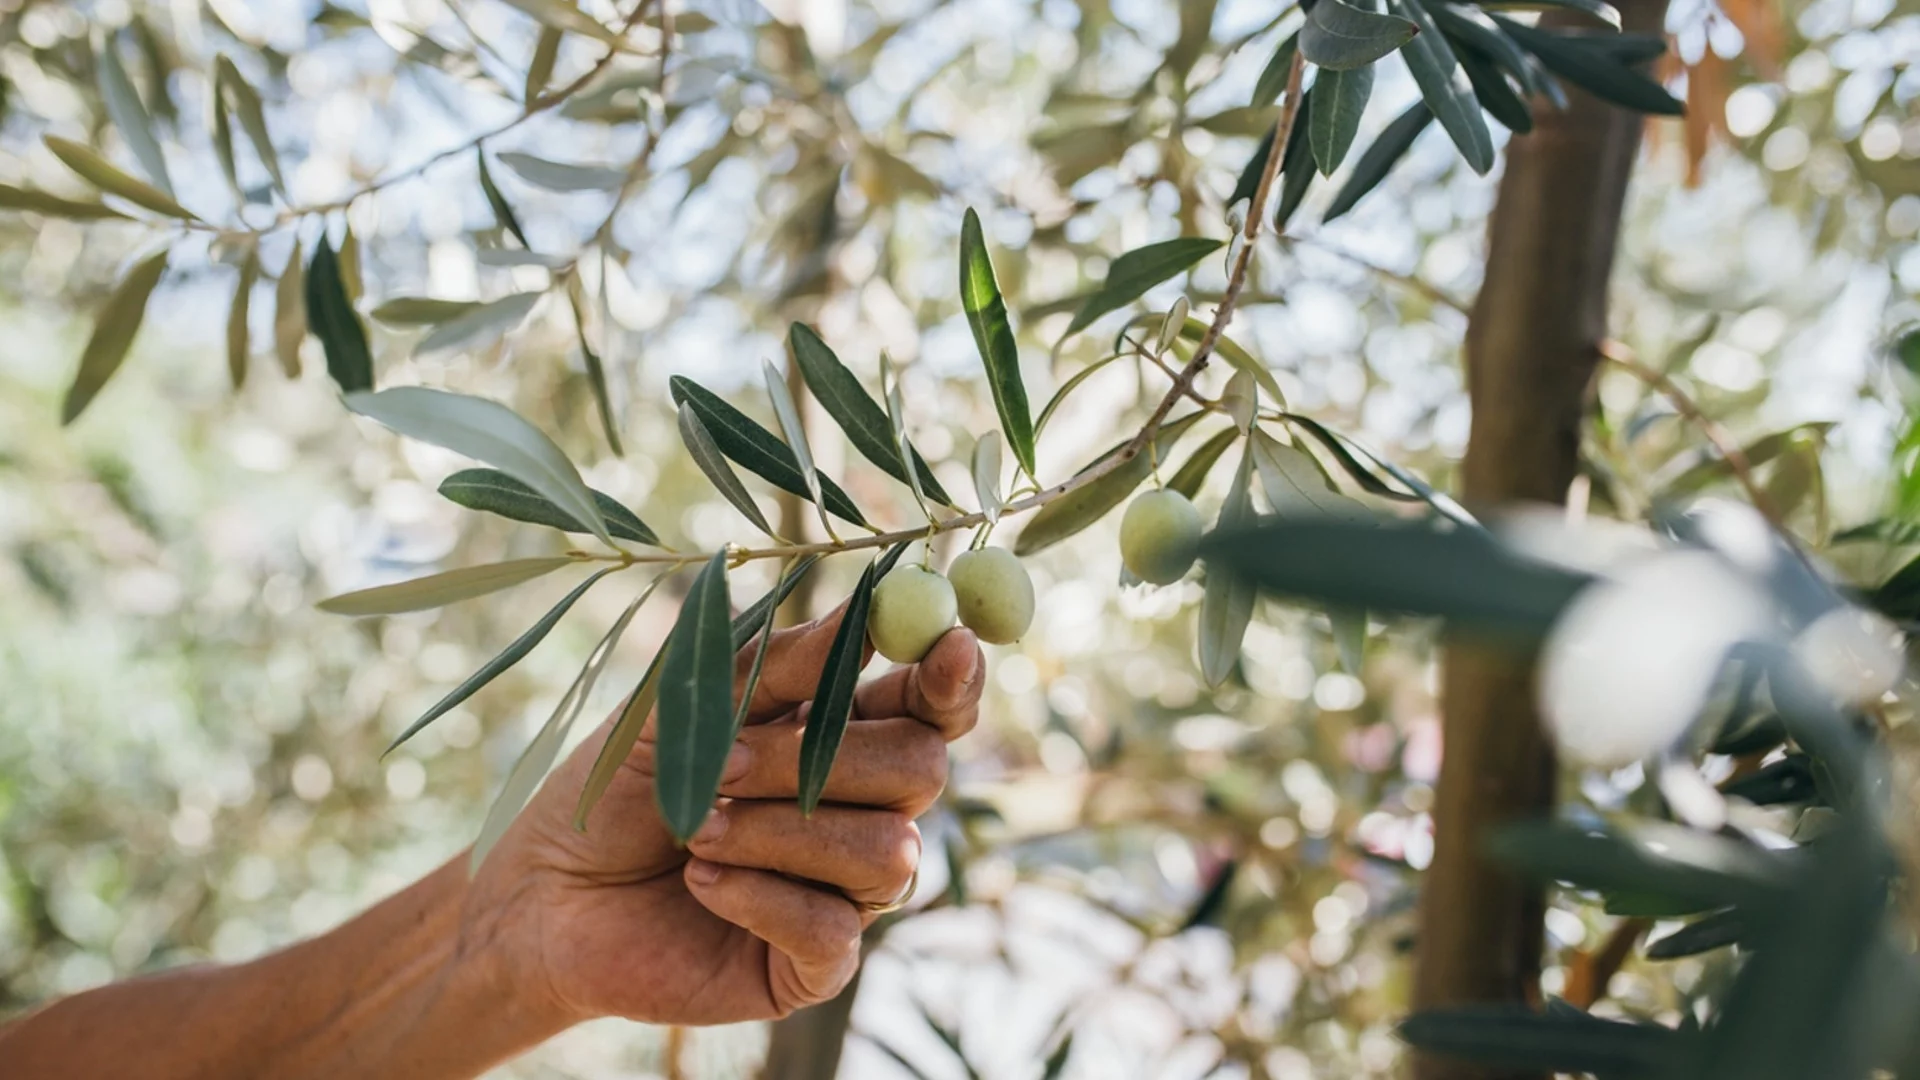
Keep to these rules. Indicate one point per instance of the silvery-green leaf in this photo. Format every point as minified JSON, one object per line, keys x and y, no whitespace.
{"x":102,"y":174}
{"x":694,"y":734}
{"x":1445,"y":88}
{"x":1194,"y":472}
{"x":1226,"y":607}
{"x":546,"y":51}
{"x":620,"y":740}
{"x":508,"y":657}
{"x":238,"y":343}
{"x":438,"y":590}
{"x":537,"y":759}
{"x":421,"y":310}
{"x":866,"y":425}
{"x":113,"y":333}
{"x":1074,"y":511}
{"x":790,"y":574}
{"x":713,"y":464}
{"x":351,"y":281}
{"x":519,"y":257}
{"x":896,"y":414}
{"x":503,"y":213}
{"x":1241,"y":399}
{"x":1171,"y":326}
{"x":290,"y":313}
{"x":480,"y":327}
{"x":566,"y":15}
{"x":563,"y":176}
{"x":129,"y":115}
{"x":986,"y":475}
{"x":1059,"y":397}
{"x":993,"y":334}
{"x":252,"y":115}
{"x":789,"y":415}
{"x":1294,"y":482}
{"x":492,"y":433}
{"x":41,"y":202}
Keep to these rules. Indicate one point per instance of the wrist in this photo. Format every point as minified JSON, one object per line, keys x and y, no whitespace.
{"x":497,"y":954}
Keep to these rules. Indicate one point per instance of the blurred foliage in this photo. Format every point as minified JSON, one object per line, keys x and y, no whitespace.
{"x":1216,"y":882}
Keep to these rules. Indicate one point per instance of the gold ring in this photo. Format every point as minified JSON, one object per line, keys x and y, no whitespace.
{"x":870,"y":908}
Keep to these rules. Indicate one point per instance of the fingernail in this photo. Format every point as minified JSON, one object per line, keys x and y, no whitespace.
{"x":714,"y":829}
{"x":702,"y":873}
{"x":738,"y":762}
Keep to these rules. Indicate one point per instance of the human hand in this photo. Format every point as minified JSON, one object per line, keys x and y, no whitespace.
{"x":760,"y":914}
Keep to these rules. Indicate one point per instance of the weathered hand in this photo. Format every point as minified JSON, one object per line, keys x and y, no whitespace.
{"x":761,"y":919}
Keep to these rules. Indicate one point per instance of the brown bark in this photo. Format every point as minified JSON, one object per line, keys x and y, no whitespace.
{"x":806,"y":1045}
{"x":1531,"y":351}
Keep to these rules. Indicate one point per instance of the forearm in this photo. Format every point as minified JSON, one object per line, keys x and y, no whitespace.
{"x":405,"y":989}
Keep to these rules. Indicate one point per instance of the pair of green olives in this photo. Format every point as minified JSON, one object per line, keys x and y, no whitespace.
{"x":987,"y":590}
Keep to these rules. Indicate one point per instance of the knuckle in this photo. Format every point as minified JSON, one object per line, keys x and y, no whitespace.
{"x":924,"y":762}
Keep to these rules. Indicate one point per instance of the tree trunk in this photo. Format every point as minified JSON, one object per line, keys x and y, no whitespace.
{"x":1530,"y":354}
{"x":806,"y":1045}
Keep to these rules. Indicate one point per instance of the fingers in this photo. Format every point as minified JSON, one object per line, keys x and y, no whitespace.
{"x":818,"y":932}
{"x":942,"y":690}
{"x":795,"y":658}
{"x":869,"y":855}
{"x":898,"y":764}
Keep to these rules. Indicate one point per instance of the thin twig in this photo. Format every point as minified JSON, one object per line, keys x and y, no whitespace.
{"x":1619,"y":355}
{"x":535,"y":107}
{"x":1182,"y":384}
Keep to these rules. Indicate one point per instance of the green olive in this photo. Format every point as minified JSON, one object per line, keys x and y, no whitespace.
{"x":912,"y":607}
{"x":1159,"y":536}
{"x":995,"y":594}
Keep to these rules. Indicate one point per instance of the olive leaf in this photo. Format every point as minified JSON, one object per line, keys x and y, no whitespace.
{"x":695,"y":729}
{"x":1436,"y":70}
{"x":1340,"y":37}
{"x":290,"y":313}
{"x":833,"y":698}
{"x":566,"y":15}
{"x":787,"y":411}
{"x":238,"y":344}
{"x":1194,"y":472}
{"x":902,"y":448}
{"x":1066,"y":388}
{"x":1273,"y":78}
{"x":438,"y":590}
{"x":113,"y":333}
{"x":508,"y":657}
{"x":129,"y":115}
{"x":1193,"y":330}
{"x":561,"y":175}
{"x":748,"y":622}
{"x":713,"y":465}
{"x":1580,"y":59}
{"x":1294,"y":482}
{"x":533,"y":764}
{"x":41,"y":202}
{"x":494,"y":492}
{"x":986,"y":475}
{"x":491,"y":433}
{"x":546,"y":51}
{"x":102,"y":174}
{"x":1388,"y":148}
{"x":1132,"y":274}
{"x":867,"y":427}
{"x":1339,"y":99}
{"x":421,"y":310}
{"x":1226,"y":607}
{"x":993,"y":335}
{"x":1077,"y":509}
{"x":348,"y":259}
{"x":619,"y":742}
{"x":502,"y":209}
{"x":251,"y":113}
{"x":755,"y":448}
{"x":331,"y":316}
{"x":478,"y":327}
